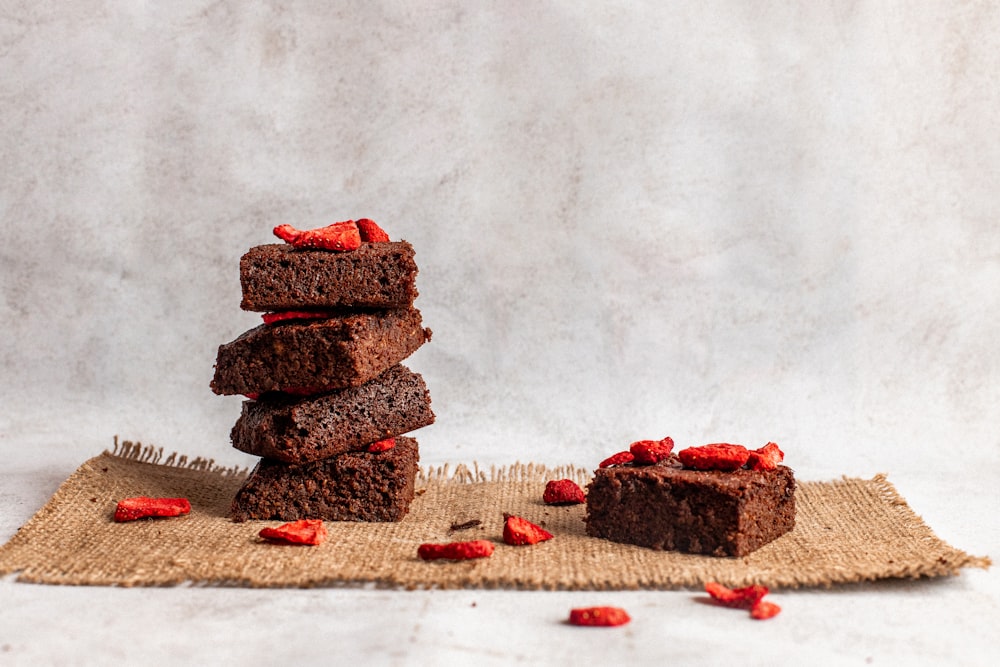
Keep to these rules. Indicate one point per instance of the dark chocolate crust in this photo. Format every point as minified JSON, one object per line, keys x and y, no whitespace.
{"x":667,"y":507}
{"x":300,"y":430}
{"x":343,"y":351}
{"x":356,"y":486}
{"x":377,"y":275}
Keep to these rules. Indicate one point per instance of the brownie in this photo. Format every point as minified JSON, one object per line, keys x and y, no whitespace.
{"x":299,"y":430}
{"x":665,"y":506}
{"x":342,"y":351}
{"x":356,"y":486}
{"x":279,"y":277}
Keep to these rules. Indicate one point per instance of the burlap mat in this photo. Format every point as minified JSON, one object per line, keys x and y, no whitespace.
{"x":847,"y":530}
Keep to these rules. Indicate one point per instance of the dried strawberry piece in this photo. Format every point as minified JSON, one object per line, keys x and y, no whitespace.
{"x":339,"y":237}
{"x":648,"y":452}
{"x":599,"y":616}
{"x":740,"y":598}
{"x":140,"y":507}
{"x":718,"y":456}
{"x":764,"y":610}
{"x":765,"y":458}
{"x":382,"y":445}
{"x":749,"y":597}
{"x":563,"y":492}
{"x":518,"y":531}
{"x":284,"y":315}
{"x":371,"y":232}
{"x":303,"y":531}
{"x":456,"y":550}
{"x":617,"y":459}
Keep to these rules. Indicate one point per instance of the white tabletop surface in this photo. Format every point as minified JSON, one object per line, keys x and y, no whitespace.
{"x":950,"y":620}
{"x":737,"y":221}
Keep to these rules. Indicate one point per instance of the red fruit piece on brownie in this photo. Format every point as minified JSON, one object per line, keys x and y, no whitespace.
{"x":382,"y":445}
{"x":339,"y":237}
{"x":718,"y":456}
{"x":617,"y":459}
{"x":371,"y":232}
{"x":765,"y":458}
{"x":648,"y":452}
{"x":285,"y":315}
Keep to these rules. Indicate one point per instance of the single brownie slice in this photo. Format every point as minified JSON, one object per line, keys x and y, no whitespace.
{"x":280,"y":277}
{"x":665,"y":506}
{"x":356,"y":486}
{"x":299,"y":430}
{"x":342,"y":351}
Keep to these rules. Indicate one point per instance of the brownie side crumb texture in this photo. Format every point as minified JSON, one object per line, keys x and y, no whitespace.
{"x":343,"y":351}
{"x":666,"y":507}
{"x":278,"y":277}
{"x":300,"y":430}
{"x":356,"y":486}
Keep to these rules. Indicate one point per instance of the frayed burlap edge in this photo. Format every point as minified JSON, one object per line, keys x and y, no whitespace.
{"x":136,"y":451}
{"x":849,"y":531}
{"x":460,"y":473}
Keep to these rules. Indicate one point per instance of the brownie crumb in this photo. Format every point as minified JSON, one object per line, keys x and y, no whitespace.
{"x":465,"y":525}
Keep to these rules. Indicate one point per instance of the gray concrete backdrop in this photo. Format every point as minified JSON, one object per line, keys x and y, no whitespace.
{"x":735,"y":221}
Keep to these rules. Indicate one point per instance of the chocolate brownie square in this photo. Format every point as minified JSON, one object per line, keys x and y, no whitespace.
{"x":279,"y":277}
{"x":305,"y":355}
{"x":299,"y":430}
{"x":357,"y":486}
{"x":665,"y":506}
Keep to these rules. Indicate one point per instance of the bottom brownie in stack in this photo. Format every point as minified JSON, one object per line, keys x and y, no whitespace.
{"x":357,"y":486}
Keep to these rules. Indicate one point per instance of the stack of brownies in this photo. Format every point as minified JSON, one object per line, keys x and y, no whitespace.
{"x":328,"y":398}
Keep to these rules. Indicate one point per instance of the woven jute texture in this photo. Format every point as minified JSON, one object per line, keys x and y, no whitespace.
{"x":847,"y":530}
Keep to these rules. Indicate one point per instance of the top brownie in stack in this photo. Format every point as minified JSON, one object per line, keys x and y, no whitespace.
{"x":279,"y":277}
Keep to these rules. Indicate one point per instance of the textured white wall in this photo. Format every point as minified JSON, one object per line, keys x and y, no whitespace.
{"x":733,"y":221}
